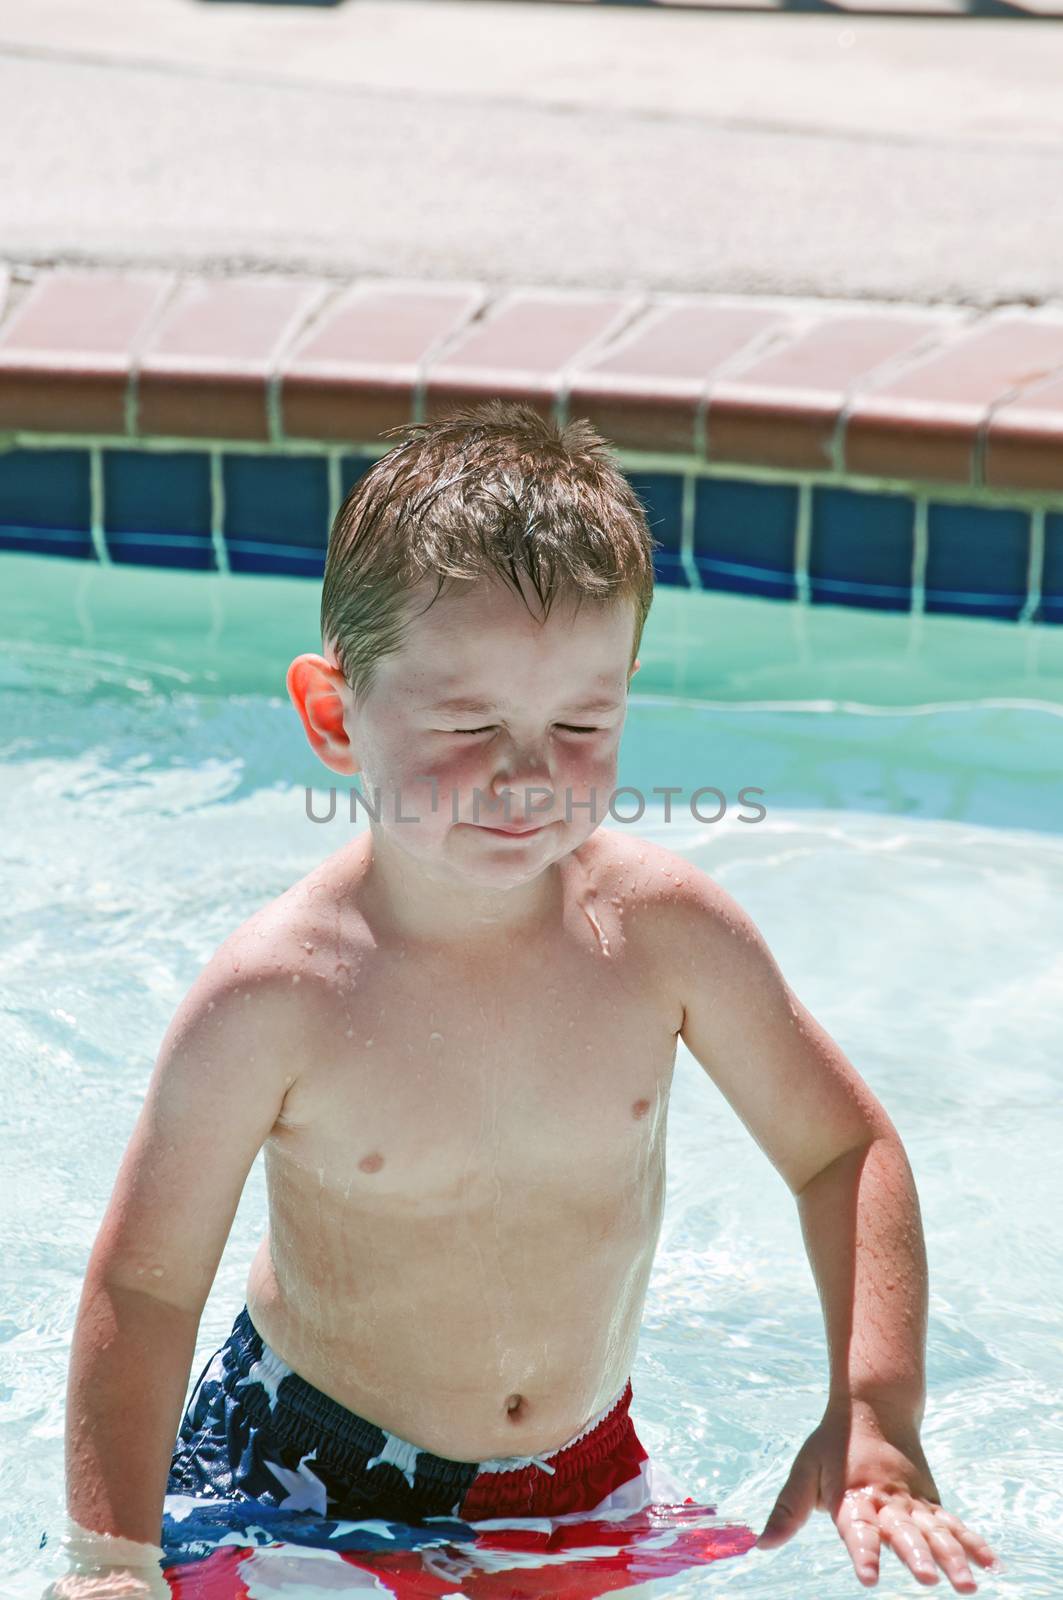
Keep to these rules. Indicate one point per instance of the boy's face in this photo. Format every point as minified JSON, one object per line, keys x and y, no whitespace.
{"x":544,"y":707}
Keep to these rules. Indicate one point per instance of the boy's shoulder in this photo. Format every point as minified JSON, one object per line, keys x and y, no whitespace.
{"x":267,"y":991}
{"x":689,"y":914}
{"x":284,"y":947}
{"x":648,"y":872}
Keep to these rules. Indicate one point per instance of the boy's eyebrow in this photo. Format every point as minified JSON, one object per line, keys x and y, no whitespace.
{"x":478,"y":708}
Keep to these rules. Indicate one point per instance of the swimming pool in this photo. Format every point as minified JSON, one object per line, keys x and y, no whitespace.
{"x":908,"y":876}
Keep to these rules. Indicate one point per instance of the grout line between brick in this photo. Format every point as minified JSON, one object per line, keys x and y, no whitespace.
{"x":1035,"y":568}
{"x":136,"y":354}
{"x":300,"y":320}
{"x":688,"y":509}
{"x":803,"y":542}
{"x":335,"y":484}
{"x":920,"y":552}
{"x":1018,"y":392}
{"x":97,"y":510}
{"x":441,"y":346}
{"x":217,"y":512}
{"x":939,"y":337}
{"x":600,"y":345}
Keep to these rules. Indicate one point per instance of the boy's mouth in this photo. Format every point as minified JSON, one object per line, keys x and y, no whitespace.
{"x":515,"y":828}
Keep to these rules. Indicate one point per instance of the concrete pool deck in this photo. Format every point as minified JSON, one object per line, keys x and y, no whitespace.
{"x":621,"y":148}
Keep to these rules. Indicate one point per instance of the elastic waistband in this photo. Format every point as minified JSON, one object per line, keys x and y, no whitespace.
{"x":303,"y":1414}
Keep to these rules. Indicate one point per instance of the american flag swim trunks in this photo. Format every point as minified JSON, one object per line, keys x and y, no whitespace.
{"x":255,"y":1430}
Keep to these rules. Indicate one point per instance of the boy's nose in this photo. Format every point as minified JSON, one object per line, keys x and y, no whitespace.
{"x":520,"y":768}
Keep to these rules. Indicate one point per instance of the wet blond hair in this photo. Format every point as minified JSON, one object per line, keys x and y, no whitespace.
{"x":492,"y":490}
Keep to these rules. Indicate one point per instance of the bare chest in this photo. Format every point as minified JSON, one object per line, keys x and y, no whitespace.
{"x":453,"y":1084}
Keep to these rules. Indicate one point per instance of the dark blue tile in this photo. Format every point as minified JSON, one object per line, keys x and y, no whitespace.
{"x":351,"y":469}
{"x":45,"y":502}
{"x":661,"y":494}
{"x":276,"y":513}
{"x":977,"y":560}
{"x":669,"y":569}
{"x":157,"y":508}
{"x":1051,"y":608}
{"x":147,"y":491}
{"x":744,"y":536}
{"x":162,"y":550}
{"x":284,"y":559}
{"x":861,"y":549}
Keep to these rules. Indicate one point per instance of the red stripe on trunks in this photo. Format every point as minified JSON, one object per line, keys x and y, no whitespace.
{"x":585,"y":1472}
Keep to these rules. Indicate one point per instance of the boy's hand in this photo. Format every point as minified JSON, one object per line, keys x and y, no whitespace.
{"x":102,"y":1567}
{"x":869,"y":1471}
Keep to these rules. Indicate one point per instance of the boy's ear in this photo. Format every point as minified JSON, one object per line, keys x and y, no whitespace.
{"x":317,"y":691}
{"x":634,"y":669}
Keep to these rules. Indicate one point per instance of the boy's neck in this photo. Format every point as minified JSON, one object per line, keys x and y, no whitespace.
{"x":402,"y":899}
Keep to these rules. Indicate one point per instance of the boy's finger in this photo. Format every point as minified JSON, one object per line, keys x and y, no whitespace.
{"x":857,"y":1522}
{"x":907,"y":1543}
{"x":972,"y":1542}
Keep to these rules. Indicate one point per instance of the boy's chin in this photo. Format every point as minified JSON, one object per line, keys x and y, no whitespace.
{"x":474,"y":855}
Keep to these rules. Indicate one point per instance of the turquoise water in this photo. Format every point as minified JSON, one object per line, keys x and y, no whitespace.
{"x":908,"y":876}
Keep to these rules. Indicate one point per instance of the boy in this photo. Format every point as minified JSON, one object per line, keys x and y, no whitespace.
{"x":455,"y":1039}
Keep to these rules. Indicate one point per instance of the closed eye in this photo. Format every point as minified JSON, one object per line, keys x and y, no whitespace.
{"x":568,"y":727}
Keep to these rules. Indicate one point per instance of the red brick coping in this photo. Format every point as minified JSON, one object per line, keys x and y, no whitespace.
{"x":938,"y":395}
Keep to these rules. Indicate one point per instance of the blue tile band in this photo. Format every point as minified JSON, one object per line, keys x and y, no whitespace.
{"x":271,"y":510}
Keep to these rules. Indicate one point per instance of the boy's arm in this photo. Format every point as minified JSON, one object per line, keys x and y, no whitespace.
{"x":216,"y":1091}
{"x":828,"y":1137}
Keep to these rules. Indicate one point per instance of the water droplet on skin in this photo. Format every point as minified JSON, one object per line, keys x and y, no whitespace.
{"x":156,"y":1272}
{"x":436,"y":1038}
{"x":368,"y":1043}
{"x":596,"y":925}
{"x":295,"y":977}
{"x":350,"y":1033}
{"x":307,"y":945}
{"x":289,"y":1080}
{"x":210,"y":1005}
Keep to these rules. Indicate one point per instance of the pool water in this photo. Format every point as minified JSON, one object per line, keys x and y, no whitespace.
{"x":908,"y":876}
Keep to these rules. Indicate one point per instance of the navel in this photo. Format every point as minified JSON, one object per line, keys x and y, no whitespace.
{"x":514,"y":1406}
{"x":372,"y":1162}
